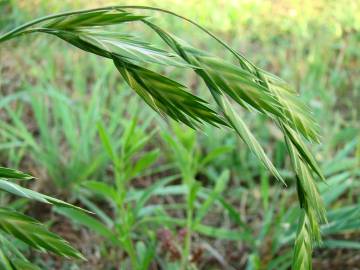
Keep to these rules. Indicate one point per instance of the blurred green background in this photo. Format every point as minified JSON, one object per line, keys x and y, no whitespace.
{"x":52,"y":96}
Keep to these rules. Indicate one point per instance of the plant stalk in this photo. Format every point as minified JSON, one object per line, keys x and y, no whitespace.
{"x":18,"y":30}
{"x":120,"y":186}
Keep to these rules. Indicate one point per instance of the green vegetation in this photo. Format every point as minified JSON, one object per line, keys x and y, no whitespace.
{"x":26,"y":229}
{"x":163,"y":195}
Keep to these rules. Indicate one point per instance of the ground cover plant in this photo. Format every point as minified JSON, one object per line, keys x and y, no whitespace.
{"x":230,"y":84}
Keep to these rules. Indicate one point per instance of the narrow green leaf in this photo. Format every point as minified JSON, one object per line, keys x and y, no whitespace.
{"x":129,"y":48}
{"x":103,"y":189}
{"x":24,"y":265}
{"x":215,"y":153}
{"x":303,"y":151}
{"x":92,"y":18}
{"x":167,"y":96}
{"x":33,"y":195}
{"x":14,"y":174}
{"x":35,"y":234}
{"x":243,"y":131}
{"x":144,"y":162}
{"x":231,"y":116}
{"x":303,"y":246}
{"x":218,"y":189}
{"x":89,"y":222}
{"x":338,"y":244}
{"x":5,"y":263}
{"x":220,"y":233}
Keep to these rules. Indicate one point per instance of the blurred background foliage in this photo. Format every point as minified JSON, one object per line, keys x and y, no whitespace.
{"x":52,"y":96}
